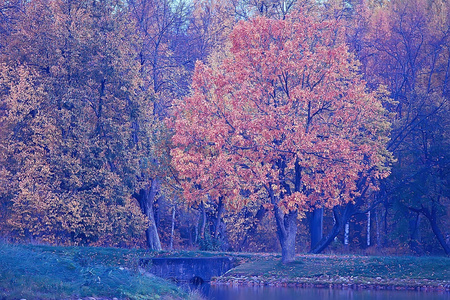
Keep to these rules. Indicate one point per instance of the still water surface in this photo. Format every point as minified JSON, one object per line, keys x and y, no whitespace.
{"x":280,"y":293}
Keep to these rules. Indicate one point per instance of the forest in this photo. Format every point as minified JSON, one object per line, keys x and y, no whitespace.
{"x":287,"y":126}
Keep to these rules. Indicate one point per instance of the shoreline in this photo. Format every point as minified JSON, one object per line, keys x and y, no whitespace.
{"x":419,"y":274}
{"x":336,"y":282}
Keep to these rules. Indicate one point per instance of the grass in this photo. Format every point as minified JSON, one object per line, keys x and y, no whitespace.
{"x":433,"y":268}
{"x":382,"y":271}
{"x":331,"y":269}
{"x":312,"y":266}
{"x":45,"y":272}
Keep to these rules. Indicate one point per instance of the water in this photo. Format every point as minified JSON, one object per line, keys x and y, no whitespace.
{"x":285,"y":293}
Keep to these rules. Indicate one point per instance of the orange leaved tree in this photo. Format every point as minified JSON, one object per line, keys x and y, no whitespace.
{"x":286,"y":114}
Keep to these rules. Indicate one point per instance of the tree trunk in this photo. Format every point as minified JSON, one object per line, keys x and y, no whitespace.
{"x":342,"y":217}
{"x":431,"y":216}
{"x":437,"y":231}
{"x":316,"y":226}
{"x":173,"y":228}
{"x":339,"y":222}
{"x":146,"y":199}
{"x":414,"y":227}
{"x":346,"y":234}
{"x":287,"y":231}
{"x":195,"y":239}
{"x":368,"y":229}
{"x":220,"y":234}
{"x":377,"y":222}
{"x":385,"y":223}
{"x":286,"y":223}
{"x":203,"y":220}
{"x":156,"y":209}
{"x":220,"y":208}
{"x":222,"y":237}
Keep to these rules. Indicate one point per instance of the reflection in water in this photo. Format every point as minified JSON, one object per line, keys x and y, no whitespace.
{"x":276,"y":293}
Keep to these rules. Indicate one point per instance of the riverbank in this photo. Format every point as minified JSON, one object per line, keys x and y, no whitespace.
{"x":343,"y":272}
{"x":46,"y":272}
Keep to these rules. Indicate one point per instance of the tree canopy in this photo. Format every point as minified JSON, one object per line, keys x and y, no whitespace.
{"x":287,"y":114}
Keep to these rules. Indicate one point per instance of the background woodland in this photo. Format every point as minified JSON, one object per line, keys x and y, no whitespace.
{"x":91,"y":94}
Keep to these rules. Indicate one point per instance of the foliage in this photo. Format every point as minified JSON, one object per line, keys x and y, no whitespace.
{"x":249,"y":123}
{"x":252,"y":229}
{"x":208,"y":243}
{"x":69,"y":103}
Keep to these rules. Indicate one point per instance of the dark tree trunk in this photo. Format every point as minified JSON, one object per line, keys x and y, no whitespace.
{"x":414,"y":227}
{"x":385,"y":224}
{"x":432,"y":217}
{"x":437,"y":231}
{"x":287,"y":231}
{"x":340,"y":219}
{"x":146,"y":198}
{"x":316,"y":226}
{"x":218,"y":221}
{"x":220,"y":232}
{"x":222,"y":237}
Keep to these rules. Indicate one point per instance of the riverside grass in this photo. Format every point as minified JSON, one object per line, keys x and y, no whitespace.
{"x":339,"y":271}
{"x":46,"y":272}
{"x":385,"y":272}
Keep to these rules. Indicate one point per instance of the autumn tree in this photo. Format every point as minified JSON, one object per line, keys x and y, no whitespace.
{"x":288,"y":116}
{"x":70,"y":153}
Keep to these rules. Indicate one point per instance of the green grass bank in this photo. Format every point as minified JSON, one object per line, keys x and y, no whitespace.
{"x":343,"y":271}
{"x":45,"y":272}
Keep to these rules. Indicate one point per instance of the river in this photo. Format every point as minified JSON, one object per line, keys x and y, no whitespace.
{"x":285,"y":293}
